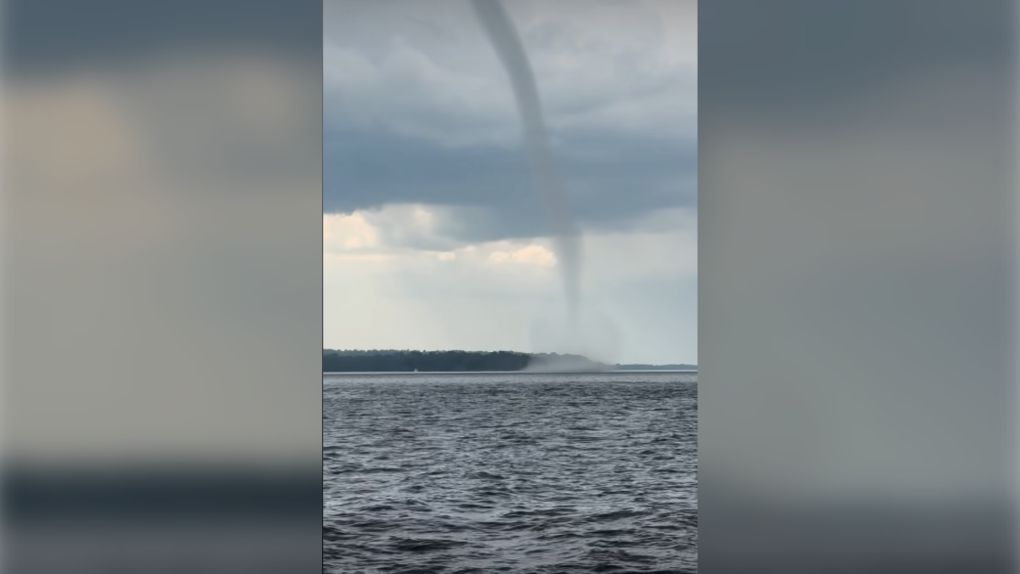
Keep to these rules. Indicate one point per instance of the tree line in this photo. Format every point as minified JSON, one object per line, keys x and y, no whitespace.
{"x":373,"y":361}
{"x":392,"y":360}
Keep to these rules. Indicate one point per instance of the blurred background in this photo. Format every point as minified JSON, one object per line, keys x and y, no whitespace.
{"x":857,"y":253}
{"x":161,"y":285}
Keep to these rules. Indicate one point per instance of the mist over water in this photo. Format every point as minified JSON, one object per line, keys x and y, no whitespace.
{"x":567,"y":238}
{"x":591,"y":334}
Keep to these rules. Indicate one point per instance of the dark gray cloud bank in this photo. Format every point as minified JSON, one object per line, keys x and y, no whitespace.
{"x":613,"y":182}
{"x":420,"y":111}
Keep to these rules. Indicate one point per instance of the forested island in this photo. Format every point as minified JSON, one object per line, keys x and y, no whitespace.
{"x":676,"y":367}
{"x":345,"y":361}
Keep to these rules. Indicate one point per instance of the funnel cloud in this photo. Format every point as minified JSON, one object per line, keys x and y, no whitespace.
{"x":567,"y":240}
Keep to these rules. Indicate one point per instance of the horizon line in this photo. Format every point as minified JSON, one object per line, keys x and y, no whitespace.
{"x":680,"y":363}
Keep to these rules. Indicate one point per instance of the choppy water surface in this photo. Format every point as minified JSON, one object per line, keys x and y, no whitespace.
{"x":512,"y":472}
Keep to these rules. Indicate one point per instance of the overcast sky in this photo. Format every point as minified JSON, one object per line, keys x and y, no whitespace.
{"x":434,"y":235}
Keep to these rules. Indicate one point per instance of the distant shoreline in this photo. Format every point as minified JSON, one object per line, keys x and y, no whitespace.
{"x":607,"y":372}
{"x":408,"y":361}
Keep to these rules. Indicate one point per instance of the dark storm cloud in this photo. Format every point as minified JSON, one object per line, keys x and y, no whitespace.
{"x":420,"y":110}
{"x":613,"y":179}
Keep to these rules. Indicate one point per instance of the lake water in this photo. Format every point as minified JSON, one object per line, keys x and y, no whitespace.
{"x":510,"y":472}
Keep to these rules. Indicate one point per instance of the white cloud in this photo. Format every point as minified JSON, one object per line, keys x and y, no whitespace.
{"x":492,"y":295}
{"x":406,"y":235}
{"x":530,"y":255}
{"x":341,"y":232}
